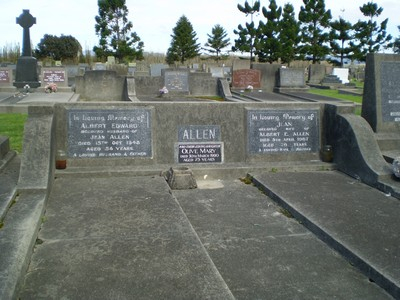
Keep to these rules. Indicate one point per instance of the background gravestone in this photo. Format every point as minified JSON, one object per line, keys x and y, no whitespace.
{"x":54,"y":75}
{"x":243,"y":78}
{"x":176,"y":80}
{"x":381,"y":100}
{"x":5,"y":77}
{"x":26,"y":73}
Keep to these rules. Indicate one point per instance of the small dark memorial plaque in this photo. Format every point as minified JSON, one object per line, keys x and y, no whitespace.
{"x":200,"y":153}
{"x":177,"y":81}
{"x":390,"y":91}
{"x":277,"y":131}
{"x":109,"y":133}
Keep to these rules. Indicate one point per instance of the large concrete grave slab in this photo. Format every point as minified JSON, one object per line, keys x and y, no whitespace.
{"x":119,"y":238}
{"x":358,"y":221}
{"x":263,"y":254}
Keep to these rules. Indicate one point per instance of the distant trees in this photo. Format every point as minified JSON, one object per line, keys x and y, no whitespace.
{"x":269,"y":46}
{"x":58,"y":48}
{"x":246,"y":41}
{"x":184,"y":42}
{"x":340,"y":36}
{"x":315,"y":22}
{"x":217,"y":41}
{"x":313,"y":36}
{"x":114,"y":30}
{"x":396,"y":44}
{"x":370,"y":36}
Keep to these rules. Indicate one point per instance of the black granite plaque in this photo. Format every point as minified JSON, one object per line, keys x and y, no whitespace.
{"x":199,"y":133}
{"x":177,"y":81}
{"x":200,"y":153}
{"x":109,"y":133}
{"x":279,"y":131}
{"x":390,"y":91}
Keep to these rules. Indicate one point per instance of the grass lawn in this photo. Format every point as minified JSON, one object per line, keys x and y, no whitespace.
{"x":12,"y":125}
{"x":335,"y":94}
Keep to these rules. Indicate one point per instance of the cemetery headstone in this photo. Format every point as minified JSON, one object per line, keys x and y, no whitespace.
{"x":381,"y":100}
{"x":26,"y":72}
{"x":142,"y":69}
{"x":54,"y":75}
{"x":290,"y":77}
{"x":217,"y":72}
{"x":109,"y":133}
{"x":155,"y":69}
{"x":6,"y":77}
{"x":316,"y":73}
{"x":240,"y":64}
{"x":243,"y":78}
{"x":99,"y":67}
{"x":282,"y":131}
{"x":342,"y":74}
{"x":176,"y":80}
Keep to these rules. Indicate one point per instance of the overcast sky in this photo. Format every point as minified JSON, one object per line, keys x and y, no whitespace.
{"x":153,"y":20}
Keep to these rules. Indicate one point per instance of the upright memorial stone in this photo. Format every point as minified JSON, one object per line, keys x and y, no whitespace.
{"x":381,"y":100}
{"x":26,"y":72}
{"x":176,"y":80}
{"x":243,"y":78}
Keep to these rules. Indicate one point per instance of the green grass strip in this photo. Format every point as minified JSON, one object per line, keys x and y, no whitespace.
{"x":12,"y":125}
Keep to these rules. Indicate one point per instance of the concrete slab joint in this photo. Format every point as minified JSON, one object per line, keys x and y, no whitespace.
{"x":180,"y":178}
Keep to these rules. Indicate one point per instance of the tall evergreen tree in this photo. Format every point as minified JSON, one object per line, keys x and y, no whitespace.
{"x":396,"y":44}
{"x":246,"y":41}
{"x":370,"y":36}
{"x":289,"y":34}
{"x":217,"y":41}
{"x":114,"y":30}
{"x":269,"y":45}
{"x":340,"y":37}
{"x":315,"y":24}
{"x":184,"y":42}
{"x":58,"y":48}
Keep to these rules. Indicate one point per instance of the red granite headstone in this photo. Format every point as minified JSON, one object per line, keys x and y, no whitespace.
{"x":245,"y":77}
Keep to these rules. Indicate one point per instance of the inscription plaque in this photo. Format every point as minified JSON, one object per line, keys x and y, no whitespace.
{"x":390,"y":91}
{"x":4,"y":76}
{"x":53,"y":76}
{"x":279,"y":131}
{"x":199,"y":133}
{"x":109,"y":133}
{"x":200,"y":153}
{"x":177,"y":81}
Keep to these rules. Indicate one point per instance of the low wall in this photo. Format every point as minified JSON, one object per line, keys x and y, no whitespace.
{"x":163,"y":133}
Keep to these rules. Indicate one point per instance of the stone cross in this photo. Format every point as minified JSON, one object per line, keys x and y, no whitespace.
{"x":26,"y":20}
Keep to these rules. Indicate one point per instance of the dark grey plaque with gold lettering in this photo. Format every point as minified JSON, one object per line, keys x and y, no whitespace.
{"x":109,"y":133}
{"x":279,"y":131}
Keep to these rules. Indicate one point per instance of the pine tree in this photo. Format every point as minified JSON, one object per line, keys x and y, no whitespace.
{"x":269,"y":45}
{"x":370,"y":35}
{"x":217,"y":41}
{"x":340,"y":35}
{"x":315,"y":23}
{"x":184,"y":42}
{"x":114,"y":30}
{"x":396,"y":44}
{"x":289,"y":34}
{"x":247,"y":41}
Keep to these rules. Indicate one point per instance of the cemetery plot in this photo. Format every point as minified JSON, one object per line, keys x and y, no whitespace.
{"x":109,"y":133}
{"x":390,"y":91}
{"x":280,"y":131}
